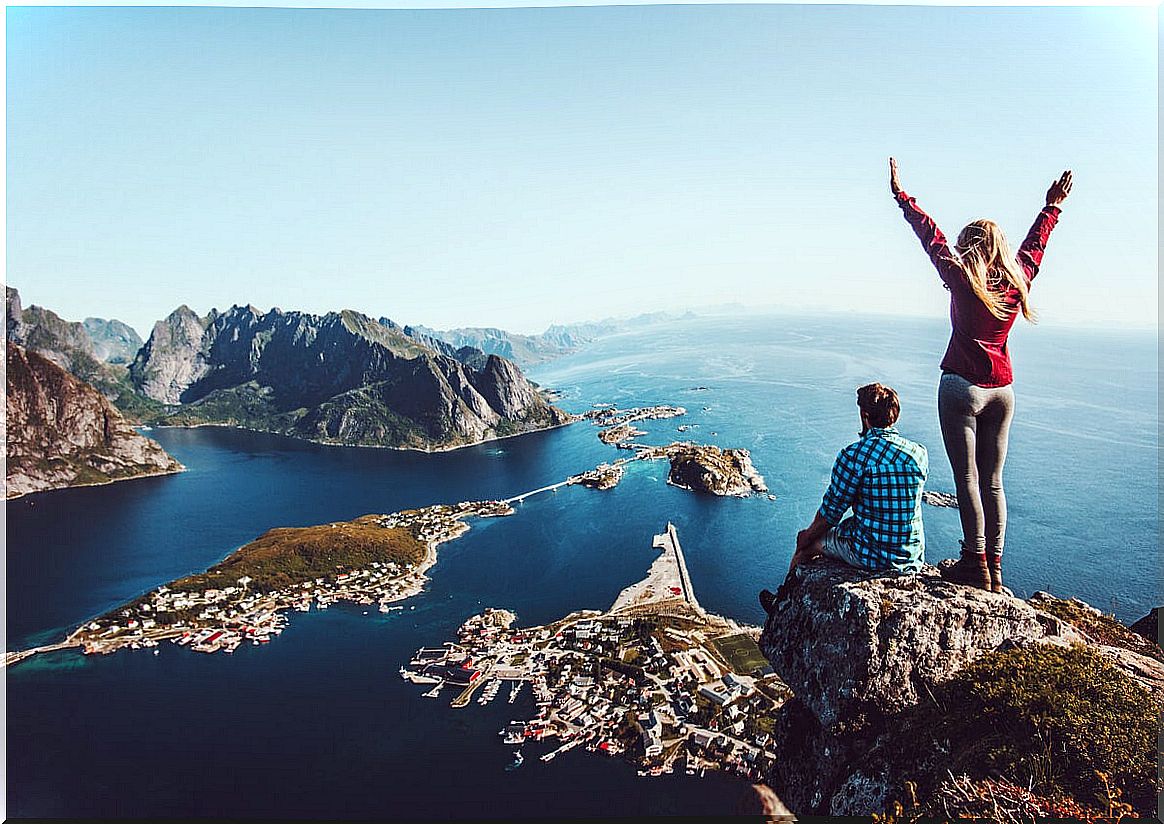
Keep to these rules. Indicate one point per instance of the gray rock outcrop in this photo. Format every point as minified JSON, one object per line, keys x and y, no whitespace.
{"x":860,"y":649}
{"x":62,"y":432}
{"x":15,"y":328}
{"x":71,"y":346}
{"x":174,"y":357}
{"x":850,"y":642}
{"x":113,"y":341}
{"x":699,"y":467}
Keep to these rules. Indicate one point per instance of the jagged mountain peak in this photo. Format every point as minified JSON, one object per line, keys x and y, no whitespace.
{"x":94,"y":352}
{"x":246,"y":310}
{"x":114,"y":341}
{"x":341,"y":376}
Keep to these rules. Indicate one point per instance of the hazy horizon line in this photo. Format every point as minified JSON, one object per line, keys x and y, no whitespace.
{"x":725,"y":309}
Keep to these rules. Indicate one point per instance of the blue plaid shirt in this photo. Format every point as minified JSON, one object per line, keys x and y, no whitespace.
{"x":881,"y":477}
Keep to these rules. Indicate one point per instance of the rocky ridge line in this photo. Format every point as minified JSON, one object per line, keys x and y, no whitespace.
{"x":336,"y":378}
{"x":62,"y":432}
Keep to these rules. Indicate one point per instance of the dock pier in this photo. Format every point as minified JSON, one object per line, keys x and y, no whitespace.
{"x":11,"y":658}
{"x":467,"y":693}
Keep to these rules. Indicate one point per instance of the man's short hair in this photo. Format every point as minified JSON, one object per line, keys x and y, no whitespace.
{"x":879,"y":403}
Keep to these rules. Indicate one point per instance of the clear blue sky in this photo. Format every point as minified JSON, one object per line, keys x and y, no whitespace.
{"x":528,"y":166}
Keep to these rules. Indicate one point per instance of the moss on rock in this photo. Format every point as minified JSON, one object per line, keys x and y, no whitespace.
{"x":1061,"y":720}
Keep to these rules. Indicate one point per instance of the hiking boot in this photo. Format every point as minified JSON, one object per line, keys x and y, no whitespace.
{"x":767,"y":600}
{"x":994,"y":564}
{"x":971,"y":570}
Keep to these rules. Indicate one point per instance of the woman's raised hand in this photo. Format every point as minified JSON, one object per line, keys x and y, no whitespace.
{"x":895,"y":183}
{"x":1059,"y":189}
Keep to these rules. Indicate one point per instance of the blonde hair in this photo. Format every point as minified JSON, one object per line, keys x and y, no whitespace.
{"x":989,"y":266}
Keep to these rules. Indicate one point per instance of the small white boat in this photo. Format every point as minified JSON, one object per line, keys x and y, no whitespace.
{"x":418,"y":677}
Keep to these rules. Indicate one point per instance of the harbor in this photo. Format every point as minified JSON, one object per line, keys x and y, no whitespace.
{"x":655,"y":678}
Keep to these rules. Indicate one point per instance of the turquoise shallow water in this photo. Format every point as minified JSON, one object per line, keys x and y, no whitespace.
{"x":319,"y":724}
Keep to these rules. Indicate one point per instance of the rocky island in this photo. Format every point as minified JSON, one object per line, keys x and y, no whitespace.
{"x":654,"y":679}
{"x":696,"y":467}
{"x":707,"y":468}
{"x":617,"y":423}
{"x":940,"y":499}
{"x":619,"y":433}
{"x":61,"y":432}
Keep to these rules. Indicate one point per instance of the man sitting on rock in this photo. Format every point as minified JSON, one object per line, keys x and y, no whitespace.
{"x":880,"y":477}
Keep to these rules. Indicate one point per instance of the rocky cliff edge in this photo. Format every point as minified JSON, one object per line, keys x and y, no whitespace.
{"x":918,"y":697}
{"x":60,"y":432}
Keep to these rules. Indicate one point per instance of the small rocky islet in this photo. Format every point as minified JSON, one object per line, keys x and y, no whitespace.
{"x":697,"y":467}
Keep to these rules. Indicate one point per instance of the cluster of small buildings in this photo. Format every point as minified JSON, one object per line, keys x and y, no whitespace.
{"x":222,"y":618}
{"x":442,"y":522}
{"x":618,"y":423}
{"x":651,"y":688}
{"x":611,"y":416}
{"x":603,"y":476}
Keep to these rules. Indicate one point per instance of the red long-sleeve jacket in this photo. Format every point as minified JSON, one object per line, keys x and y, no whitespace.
{"x":977,"y":349}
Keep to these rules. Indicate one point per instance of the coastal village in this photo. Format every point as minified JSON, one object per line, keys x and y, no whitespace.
{"x":245,"y":611}
{"x":230,"y":605}
{"x":654,"y":679}
{"x":618,"y":424}
{"x":220,"y":611}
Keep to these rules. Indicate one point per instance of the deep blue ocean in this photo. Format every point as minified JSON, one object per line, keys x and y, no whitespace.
{"x":319,"y":724}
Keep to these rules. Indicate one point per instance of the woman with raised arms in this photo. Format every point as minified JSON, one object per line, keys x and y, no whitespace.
{"x":989,"y":288}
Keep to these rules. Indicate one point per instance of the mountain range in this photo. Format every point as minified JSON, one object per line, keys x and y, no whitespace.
{"x":531,"y":350}
{"x":339,"y":378}
{"x":87,"y":350}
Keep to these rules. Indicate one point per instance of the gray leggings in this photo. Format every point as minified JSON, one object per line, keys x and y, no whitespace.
{"x":975,"y":425}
